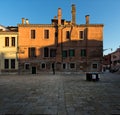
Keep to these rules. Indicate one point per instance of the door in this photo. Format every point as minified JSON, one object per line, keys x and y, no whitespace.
{"x":33,"y":70}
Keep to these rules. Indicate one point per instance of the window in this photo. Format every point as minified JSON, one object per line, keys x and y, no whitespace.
{"x":52,"y":52}
{"x":46,"y":34}
{"x":46,"y":52}
{"x":64,"y":53}
{"x":81,"y":35}
{"x":6,"y":41}
{"x":33,"y":34}
{"x":13,"y":41}
{"x":94,"y":66}
{"x":71,"y":52}
{"x":72,"y":65}
{"x":67,"y":35}
{"x":43,"y":65}
{"x":31,"y":52}
{"x":56,"y":34}
{"x":6,"y":63}
{"x":27,"y":66}
{"x":64,"y":66}
{"x":12,"y":63}
{"x":83,"y":52}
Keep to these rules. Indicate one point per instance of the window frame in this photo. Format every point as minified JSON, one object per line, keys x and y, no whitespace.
{"x":52,"y":52}
{"x":31,"y":52}
{"x":33,"y":34}
{"x":67,"y":35}
{"x":44,"y":64}
{"x":64,"y":51}
{"x":94,"y":66}
{"x":27,"y":66}
{"x":46,"y":55}
{"x":71,"y":67}
{"x":83,"y":53}
{"x":46,"y":34}
{"x":13,"y":41}
{"x":12,"y":64}
{"x":72,"y":52}
{"x":6,"y":41}
{"x":81,"y":35}
{"x":6,"y":64}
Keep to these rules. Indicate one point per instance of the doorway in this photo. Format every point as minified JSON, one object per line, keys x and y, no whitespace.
{"x":33,"y":70}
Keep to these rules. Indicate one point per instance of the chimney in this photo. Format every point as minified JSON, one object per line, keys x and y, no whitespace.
{"x":23,"y":20}
{"x":87,"y":19}
{"x":73,"y":14}
{"x":59,"y":16}
{"x":27,"y":21}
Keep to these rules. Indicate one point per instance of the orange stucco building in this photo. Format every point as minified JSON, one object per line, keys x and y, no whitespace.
{"x":61,"y":46}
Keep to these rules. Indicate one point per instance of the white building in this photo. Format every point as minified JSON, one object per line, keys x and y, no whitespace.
{"x":8,"y":49}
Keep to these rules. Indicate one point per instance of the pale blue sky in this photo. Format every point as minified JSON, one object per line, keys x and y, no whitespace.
{"x":105,"y":12}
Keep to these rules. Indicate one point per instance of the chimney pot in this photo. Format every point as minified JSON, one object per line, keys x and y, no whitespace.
{"x":87,"y":19}
{"x":73,"y":14}
{"x":59,"y":16}
{"x":23,"y":20}
{"x":27,"y":21}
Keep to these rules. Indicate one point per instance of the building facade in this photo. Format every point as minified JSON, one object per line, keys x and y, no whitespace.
{"x":8,"y":49}
{"x":115,"y":60}
{"x":61,"y":46}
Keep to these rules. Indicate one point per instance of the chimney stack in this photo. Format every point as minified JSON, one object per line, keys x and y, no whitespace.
{"x":23,"y":20}
{"x":73,"y":14}
{"x":87,"y":19}
{"x":27,"y":21}
{"x":59,"y":16}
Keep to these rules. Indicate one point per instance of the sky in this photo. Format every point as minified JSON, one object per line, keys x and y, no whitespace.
{"x":105,"y":12}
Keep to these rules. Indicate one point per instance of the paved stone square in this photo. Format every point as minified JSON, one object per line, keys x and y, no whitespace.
{"x":60,"y":94}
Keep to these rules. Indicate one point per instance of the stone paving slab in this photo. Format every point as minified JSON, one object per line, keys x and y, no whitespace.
{"x":60,"y":94}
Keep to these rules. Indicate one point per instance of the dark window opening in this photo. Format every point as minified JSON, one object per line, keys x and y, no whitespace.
{"x":27,"y":66}
{"x":33,"y":34}
{"x":6,"y":63}
{"x":64,"y":53}
{"x":31,"y":52}
{"x":81,"y":34}
{"x":13,"y":41}
{"x":64,"y":66}
{"x":46,"y":52}
{"x":67,"y":35}
{"x":6,"y":41}
{"x":43,"y":66}
{"x":71,"y":52}
{"x":52,"y":52}
{"x":94,"y":66}
{"x":56,"y":34}
{"x":83,"y":52}
{"x":12,"y":63}
{"x":72,"y":65}
{"x":46,"y":34}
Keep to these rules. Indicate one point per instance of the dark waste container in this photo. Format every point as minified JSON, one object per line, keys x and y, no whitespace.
{"x":89,"y":76}
{"x":95,"y":76}
{"x":92,"y":76}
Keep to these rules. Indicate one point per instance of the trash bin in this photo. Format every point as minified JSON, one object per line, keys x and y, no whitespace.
{"x":92,"y":76}
{"x":95,"y":76}
{"x":89,"y":76}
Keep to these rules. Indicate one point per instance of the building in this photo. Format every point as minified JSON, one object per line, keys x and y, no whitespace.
{"x":115,"y":60}
{"x":107,"y":62}
{"x":61,"y":46}
{"x":8,"y":49}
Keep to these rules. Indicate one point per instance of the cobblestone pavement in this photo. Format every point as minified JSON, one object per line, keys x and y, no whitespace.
{"x":61,"y":94}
